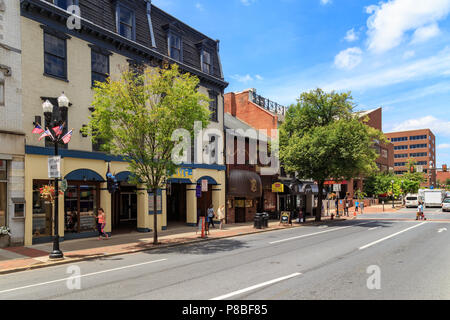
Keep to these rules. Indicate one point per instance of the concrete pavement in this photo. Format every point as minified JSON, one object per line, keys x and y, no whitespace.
{"x":313,"y":262}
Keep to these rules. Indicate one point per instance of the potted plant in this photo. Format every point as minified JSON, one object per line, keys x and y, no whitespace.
{"x":4,"y":237}
{"x":47,"y":193}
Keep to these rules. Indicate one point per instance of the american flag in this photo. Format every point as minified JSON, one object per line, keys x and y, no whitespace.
{"x":58,"y":130}
{"x":46,"y":133}
{"x":67,"y":137}
{"x":37,"y":129}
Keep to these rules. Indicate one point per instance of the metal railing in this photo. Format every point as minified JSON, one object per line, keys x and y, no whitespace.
{"x":268,"y":104}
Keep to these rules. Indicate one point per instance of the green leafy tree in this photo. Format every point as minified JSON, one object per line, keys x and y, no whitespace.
{"x":136,"y":115}
{"x":323,"y":139}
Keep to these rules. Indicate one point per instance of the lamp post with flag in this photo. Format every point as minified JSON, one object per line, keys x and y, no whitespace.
{"x":56,"y":135}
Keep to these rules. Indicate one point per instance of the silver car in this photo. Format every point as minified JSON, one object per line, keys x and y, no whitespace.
{"x":446,"y":204}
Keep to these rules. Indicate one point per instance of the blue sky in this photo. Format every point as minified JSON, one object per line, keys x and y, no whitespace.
{"x":393,"y":54}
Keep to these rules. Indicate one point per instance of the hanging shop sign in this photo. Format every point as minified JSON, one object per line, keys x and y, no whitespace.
{"x":151,"y":207}
{"x":336,"y":187}
{"x":198,"y":191}
{"x":278,"y":187}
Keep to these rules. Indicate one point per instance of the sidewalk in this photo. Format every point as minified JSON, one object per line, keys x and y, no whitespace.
{"x":15,"y":259}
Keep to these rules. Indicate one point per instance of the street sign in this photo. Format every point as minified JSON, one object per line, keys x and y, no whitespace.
{"x":336,"y":187}
{"x":54,"y":167}
{"x":419,"y":168}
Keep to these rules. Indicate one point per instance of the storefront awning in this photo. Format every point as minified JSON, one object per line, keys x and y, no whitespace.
{"x":84,"y":175}
{"x":313,"y":188}
{"x":123,"y":176}
{"x":211,"y":181}
{"x":245,"y":184}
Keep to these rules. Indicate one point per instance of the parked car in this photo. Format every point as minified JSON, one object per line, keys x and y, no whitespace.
{"x":412,"y":200}
{"x":446,"y":204}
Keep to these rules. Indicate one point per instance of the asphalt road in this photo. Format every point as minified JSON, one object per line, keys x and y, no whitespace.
{"x":357,"y":259}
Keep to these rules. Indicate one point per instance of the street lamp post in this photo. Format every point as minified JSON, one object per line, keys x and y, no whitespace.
{"x":392,"y":181}
{"x":51,"y":115}
{"x":403,"y":195}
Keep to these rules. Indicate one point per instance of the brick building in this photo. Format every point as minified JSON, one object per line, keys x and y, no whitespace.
{"x":418,"y":145}
{"x":385,"y":161}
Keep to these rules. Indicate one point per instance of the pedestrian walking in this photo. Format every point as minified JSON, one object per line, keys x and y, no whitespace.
{"x":101,"y":223}
{"x":221,"y":216}
{"x":420,"y":215}
{"x":346,"y":207}
{"x":356,"y":206}
{"x":211,"y":216}
{"x":337,"y":207}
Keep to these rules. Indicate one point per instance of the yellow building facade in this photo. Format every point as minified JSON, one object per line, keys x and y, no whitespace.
{"x":131,"y":208}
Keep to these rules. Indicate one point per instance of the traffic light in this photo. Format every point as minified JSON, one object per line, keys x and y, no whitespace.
{"x":411,"y":169}
{"x":444,"y":167}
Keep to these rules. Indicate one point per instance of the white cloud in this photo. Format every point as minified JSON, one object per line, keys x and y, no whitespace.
{"x":348,"y":59}
{"x":438,"y":126}
{"x":199,"y":6}
{"x":438,"y":65}
{"x":444,"y":146}
{"x":409,"y":54}
{"x":243,"y":79}
{"x":351,"y":35}
{"x":247,"y":2}
{"x":246,"y":78}
{"x":425,"y":33}
{"x":325,"y":2}
{"x":390,"y":21}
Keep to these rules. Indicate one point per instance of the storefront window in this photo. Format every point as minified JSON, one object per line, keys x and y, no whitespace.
{"x":42,"y":211}
{"x":80,"y":207}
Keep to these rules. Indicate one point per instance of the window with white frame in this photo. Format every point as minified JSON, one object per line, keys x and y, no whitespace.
{"x":175,"y":47}
{"x":126,"y":23}
{"x":206,"y":62}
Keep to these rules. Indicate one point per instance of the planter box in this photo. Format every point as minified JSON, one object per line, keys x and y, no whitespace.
{"x":4,"y":241}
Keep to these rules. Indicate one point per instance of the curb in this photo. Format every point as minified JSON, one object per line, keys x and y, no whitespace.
{"x":163,"y":246}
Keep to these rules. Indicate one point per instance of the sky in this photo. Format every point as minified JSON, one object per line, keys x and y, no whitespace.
{"x":393,"y":54}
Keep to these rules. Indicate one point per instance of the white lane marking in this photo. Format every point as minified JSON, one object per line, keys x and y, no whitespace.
{"x":442,"y":229}
{"x":373,"y":228}
{"x":234,"y":293}
{"x":391,"y":236}
{"x":312,"y":234}
{"x":84,"y":275}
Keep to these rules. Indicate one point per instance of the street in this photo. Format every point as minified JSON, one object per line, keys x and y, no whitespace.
{"x":364,"y":258}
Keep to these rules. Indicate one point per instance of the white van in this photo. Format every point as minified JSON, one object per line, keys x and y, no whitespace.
{"x":412,"y":200}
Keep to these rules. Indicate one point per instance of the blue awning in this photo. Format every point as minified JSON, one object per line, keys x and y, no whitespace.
{"x":211,"y":181}
{"x":123,"y":176}
{"x":84,"y":175}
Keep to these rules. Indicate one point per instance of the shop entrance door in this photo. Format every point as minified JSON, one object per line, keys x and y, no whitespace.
{"x":176,"y":203}
{"x":239,"y":211}
{"x":128,"y":208}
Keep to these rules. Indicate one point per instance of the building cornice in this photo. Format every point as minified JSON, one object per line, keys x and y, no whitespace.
{"x":40,"y":10}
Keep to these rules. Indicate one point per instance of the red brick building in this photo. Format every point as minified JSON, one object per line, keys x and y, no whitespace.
{"x":385,"y":161}
{"x":418,"y":145}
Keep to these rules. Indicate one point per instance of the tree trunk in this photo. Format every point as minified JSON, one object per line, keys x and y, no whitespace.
{"x":155,"y":218}
{"x":319,"y":201}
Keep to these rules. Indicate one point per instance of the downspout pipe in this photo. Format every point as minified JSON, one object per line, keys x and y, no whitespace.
{"x":149,"y":19}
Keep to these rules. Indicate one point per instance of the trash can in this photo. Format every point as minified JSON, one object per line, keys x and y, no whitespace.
{"x":258,"y":221}
{"x":266,"y":219}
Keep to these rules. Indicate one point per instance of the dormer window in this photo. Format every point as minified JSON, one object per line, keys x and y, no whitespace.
{"x":126,"y":25}
{"x":206,"y":62}
{"x":65,"y":4}
{"x":175,"y":47}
